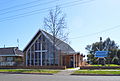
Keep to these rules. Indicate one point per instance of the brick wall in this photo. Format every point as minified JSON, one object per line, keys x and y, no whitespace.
{"x":32,"y":67}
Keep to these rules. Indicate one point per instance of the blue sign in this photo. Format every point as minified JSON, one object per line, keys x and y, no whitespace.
{"x":101,"y":53}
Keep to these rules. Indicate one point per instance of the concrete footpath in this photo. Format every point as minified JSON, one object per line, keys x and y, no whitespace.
{"x":67,"y":72}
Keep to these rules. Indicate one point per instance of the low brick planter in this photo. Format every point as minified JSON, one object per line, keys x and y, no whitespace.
{"x":32,"y":67}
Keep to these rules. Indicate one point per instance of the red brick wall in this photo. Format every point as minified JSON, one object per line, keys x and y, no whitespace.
{"x":32,"y":67}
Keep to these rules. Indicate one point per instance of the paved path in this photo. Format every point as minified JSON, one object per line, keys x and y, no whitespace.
{"x":66,"y":72}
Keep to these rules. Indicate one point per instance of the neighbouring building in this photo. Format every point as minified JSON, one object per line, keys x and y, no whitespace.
{"x":11,"y":56}
{"x":39,"y":52}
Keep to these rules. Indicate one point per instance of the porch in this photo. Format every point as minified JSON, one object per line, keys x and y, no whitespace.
{"x":72,"y":60}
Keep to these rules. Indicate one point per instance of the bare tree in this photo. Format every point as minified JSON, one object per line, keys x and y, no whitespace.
{"x":55,"y":24}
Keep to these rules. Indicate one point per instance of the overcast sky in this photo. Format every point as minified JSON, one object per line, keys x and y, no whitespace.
{"x":87,"y":20}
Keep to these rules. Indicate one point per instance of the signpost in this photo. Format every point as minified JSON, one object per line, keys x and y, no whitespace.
{"x":101,"y":54}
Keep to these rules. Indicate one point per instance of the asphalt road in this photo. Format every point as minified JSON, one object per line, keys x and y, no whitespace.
{"x":33,"y":77}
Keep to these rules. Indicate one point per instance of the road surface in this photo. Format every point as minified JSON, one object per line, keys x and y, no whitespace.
{"x":33,"y":77}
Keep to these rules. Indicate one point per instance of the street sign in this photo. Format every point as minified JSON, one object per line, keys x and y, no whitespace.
{"x":101,"y":53}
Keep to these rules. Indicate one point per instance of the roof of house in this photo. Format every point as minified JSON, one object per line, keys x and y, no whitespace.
{"x":11,"y":51}
{"x":60,"y":45}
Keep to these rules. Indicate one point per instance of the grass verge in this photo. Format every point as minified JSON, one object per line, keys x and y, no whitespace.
{"x":106,"y":65}
{"x":96,"y":72}
{"x":29,"y":71}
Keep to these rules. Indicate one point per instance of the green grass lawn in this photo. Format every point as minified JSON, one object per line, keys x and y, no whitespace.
{"x":29,"y":70}
{"x":70,"y":68}
{"x":96,"y":72}
{"x":106,"y":65}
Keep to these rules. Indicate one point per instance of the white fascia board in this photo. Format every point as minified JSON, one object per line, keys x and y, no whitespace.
{"x":31,"y":39}
{"x":49,"y":39}
{"x":11,"y":55}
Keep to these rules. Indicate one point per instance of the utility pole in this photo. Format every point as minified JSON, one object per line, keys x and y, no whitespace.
{"x":100,"y":46}
{"x":4,"y":45}
{"x":101,"y":60}
{"x":100,"y":49}
{"x":18,"y":42}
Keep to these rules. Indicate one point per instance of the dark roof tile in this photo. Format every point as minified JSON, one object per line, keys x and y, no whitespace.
{"x":10,"y":50}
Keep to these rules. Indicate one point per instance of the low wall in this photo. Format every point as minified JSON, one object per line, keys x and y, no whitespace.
{"x":100,"y":67}
{"x":32,"y":67}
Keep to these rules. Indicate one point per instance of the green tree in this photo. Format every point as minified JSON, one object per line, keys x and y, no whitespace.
{"x":108,"y":45}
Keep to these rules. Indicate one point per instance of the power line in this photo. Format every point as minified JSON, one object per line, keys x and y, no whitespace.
{"x":38,"y":10}
{"x":87,"y":35}
{"x":69,"y":4}
{"x":20,"y":5}
{"x":20,"y":16}
{"x":26,"y":14}
{"x":28,"y":7}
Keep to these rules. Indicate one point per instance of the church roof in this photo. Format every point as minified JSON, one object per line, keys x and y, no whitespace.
{"x":60,"y":45}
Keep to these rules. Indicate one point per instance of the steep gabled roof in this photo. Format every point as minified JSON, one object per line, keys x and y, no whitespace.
{"x":60,"y":45}
{"x":36,"y":35}
{"x":64,"y":47}
{"x":10,"y":51}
